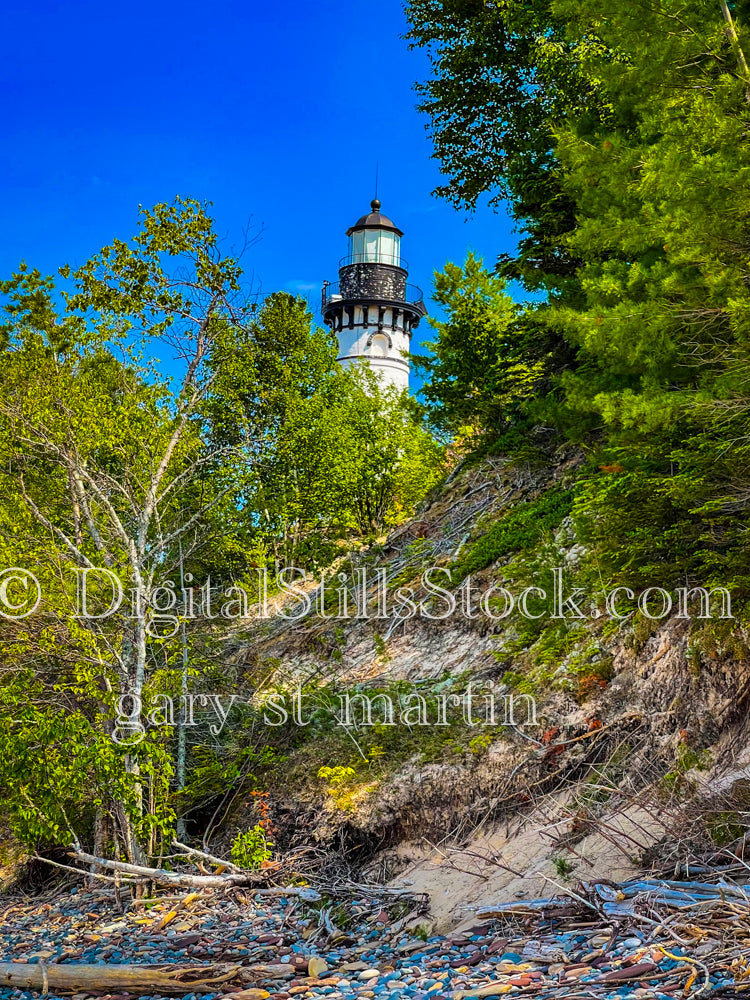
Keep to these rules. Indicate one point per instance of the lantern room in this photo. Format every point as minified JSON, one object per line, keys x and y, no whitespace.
{"x":374,"y":240}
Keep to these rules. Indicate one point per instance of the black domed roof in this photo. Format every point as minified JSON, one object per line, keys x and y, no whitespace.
{"x":374,"y":220}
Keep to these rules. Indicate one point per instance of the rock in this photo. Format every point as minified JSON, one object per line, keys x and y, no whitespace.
{"x":512,"y":968}
{"x":706,"y":948}
{"x":251,"y":994}
{"x":410,"y":946}
{"x":632,"y":972}
{"x":591,"y":955}
{"x":577,"y":973}
{"x":315,"y":966}
{"x":272,"y":971}
{"x":464,"y":963}
{"x":490,"y":990}
{"x":184,"y":940}
{"x":497,"y":945}
{"x":369,"y":974}
{"x":537,"y":951}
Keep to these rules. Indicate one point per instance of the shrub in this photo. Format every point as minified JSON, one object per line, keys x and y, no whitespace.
{"x":251,"y":848}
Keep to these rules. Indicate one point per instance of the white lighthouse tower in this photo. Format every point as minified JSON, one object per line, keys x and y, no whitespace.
{"x":371,"y":308}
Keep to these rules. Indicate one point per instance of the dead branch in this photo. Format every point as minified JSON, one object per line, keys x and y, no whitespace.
{"x":193,"y":852}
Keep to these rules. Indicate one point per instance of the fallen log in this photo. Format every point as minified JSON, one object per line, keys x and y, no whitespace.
{"x":178,"y":979}
{"x":236,"y":878}
{"x":256,"y":973}
{"x":168,"y":878}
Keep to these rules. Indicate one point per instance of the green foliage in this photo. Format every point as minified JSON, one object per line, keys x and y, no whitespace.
{"x":687,"y":759}
{"x":620,"y":141}
{"x":218,"y":769}
{"x":250,"y":849}
{"x":519,"y":682}
{"x":57,"y":766}
{"x":480,"y":743}
{"x":256,"y":449}
{"x":381,"y":647}
{"x":336,"y":776}
{"x":361,"y":756}
{"x":105,"y":466}
{"x":518,"y":529}
{"x":726,"y":827}
{"x":482,"y":364}
{"x":563,"y":867}
{"x":340,"y":783}
{"x":328,"y":453}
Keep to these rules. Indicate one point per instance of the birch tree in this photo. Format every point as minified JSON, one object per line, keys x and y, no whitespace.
{"x":104,"y":468}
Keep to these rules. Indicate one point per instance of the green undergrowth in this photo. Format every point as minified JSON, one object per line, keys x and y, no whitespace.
{"x":364,"y":755}
{"x":677,"y":781}
{"x":521,"y":528}
{"x":312,"y":751}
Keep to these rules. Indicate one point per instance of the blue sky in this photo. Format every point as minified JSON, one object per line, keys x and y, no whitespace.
{"x":276,"y":113}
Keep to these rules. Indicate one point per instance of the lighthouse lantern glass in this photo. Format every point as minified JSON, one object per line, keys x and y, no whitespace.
{"x":373,"y":246}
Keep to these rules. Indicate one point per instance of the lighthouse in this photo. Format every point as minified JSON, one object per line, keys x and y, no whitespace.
{"x":371,"y":308}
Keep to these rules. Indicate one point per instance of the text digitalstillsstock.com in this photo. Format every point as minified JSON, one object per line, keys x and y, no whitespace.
{"x":364,"y":594}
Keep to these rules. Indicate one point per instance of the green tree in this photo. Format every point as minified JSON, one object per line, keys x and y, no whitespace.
{"x":618,"y":133}
{"x":392,"y":460}
{"x":104,"y":469}
{"x":502,"y":74}
{"x":329,"y":453}
{"x":483,"y":363}
{"x":662,"y":324}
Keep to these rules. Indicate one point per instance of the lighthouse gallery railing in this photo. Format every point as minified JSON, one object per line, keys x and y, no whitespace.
{"x":331,"y":293}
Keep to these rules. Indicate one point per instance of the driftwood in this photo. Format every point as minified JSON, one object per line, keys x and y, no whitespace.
{"x":192,"y":852}
{"x":235,"y":878}
{"x":165,"y":877}
{"x":168,"y":978}
{"x":252,"y":973}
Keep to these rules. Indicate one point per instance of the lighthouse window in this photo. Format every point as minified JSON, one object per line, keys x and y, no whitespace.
{"x":373,"y":245}
{"x":389,"y":248}
{"x":356,"y":246}
{"x":379,"y":346}
{"x":372,"y":240}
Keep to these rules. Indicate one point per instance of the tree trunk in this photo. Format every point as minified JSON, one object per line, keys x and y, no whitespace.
{"x":100,"y":836}
{"x":735,"y":43}
{"x":134,"y":664}
{"x":156,"y":978}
